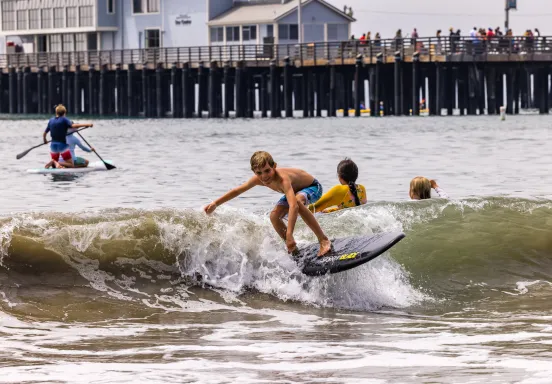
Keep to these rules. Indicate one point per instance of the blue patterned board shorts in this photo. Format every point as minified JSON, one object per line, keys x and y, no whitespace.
{"x":312,"y":193}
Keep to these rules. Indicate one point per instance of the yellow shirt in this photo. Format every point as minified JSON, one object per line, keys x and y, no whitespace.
{"x":337,"y":198}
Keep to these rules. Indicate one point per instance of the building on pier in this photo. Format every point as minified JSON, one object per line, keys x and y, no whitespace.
{"x":50,"y":26}
{"x":37,"y":26}
{"x":277,"y":21}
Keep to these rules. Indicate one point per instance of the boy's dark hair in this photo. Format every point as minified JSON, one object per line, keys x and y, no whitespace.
{"x":348,"y":171}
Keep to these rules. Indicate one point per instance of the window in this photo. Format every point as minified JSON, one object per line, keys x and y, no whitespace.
{"x":332,"y":32}
{"x":283,"y":32}
{"x":86,"y":17}
{"x":8,"y":15}
{"x":137,"y":6}
{"x":72,"y":17}
{"x":34,"y":19}
{"x":42,"y":43}
{"x":293,"y":32}
{"x":68,"y":42}
{"x":145,"y":6}
{"x":288,"y":32}
{"x":59,"y":21}
{"x":80,"y":42}
{"x":46,"y":16}
{"x":111,"y":6}
{"x":153,"y":6}
{"x":270,"y":30}
{"x":92,"y":38}
{"x":153,"y":38}
{"x":217,"y":34}
{"x":249,"y":32}
{"x":232,"y":33}
{"x":22,"y":19}
{"x":55,"y":43}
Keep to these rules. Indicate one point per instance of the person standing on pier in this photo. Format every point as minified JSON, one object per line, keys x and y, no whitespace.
{"x":58,"y":127}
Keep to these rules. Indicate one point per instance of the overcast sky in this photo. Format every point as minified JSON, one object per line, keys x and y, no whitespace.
{"x":386,"y":16}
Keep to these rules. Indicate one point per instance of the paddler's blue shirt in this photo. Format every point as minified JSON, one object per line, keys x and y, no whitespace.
{"x":58,"y":126}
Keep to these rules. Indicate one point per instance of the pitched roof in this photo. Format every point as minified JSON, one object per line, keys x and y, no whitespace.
{"x":265,"y":13}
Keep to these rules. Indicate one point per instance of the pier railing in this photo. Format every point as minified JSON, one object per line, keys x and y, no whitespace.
{"x":311,"y":54}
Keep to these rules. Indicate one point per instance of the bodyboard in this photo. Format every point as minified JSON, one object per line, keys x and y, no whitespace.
{"x":346,"y":253}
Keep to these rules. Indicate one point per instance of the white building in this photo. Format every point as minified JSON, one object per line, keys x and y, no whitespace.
{"x":80,"y":25}
{"x":256,"y":22}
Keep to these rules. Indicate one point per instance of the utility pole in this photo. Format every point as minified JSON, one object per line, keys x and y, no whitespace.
{"x":510,"y":4}
{"x":299,"y":23}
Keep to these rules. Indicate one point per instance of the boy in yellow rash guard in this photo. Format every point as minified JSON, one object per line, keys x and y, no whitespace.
{"x":346,"y":195}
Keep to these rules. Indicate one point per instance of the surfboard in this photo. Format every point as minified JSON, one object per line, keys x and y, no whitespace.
{"x":93,"y":166}
{"x":346,"y":253}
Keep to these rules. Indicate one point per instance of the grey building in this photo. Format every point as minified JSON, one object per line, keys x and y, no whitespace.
{"x":32,"y":26}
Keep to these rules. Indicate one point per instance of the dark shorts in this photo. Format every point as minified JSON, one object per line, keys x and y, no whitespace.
{"x":312,"y":193}
{"x":79,"y":161}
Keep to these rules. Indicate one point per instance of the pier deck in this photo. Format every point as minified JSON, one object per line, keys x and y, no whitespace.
{"x":386,"y":77}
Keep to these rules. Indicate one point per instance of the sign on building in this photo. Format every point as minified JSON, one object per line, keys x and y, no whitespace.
{"x":183,"y":20}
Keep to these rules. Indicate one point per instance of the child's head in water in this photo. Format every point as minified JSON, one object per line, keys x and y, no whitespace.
{"x":420,"y":188}
{"x":347,"y":171}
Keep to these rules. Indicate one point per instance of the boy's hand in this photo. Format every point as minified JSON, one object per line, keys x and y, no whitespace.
{"x":90,"y":125}
{"x":290,"y":243}
{"x":433,"y":184}
{"x":210,"y":208}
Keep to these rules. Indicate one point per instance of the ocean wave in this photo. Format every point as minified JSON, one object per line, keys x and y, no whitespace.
{"x":454,"y":250}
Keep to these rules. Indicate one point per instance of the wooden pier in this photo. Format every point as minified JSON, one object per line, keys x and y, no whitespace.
{"x":378,"y":78}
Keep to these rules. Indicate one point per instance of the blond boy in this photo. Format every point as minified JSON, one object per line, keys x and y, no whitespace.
{"x":299,"y":188}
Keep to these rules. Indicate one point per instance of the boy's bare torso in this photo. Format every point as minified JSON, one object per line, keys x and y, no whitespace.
{"x":298,"y":178}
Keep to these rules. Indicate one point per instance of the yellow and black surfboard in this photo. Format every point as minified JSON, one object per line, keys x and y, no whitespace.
{"x":346,"y":253}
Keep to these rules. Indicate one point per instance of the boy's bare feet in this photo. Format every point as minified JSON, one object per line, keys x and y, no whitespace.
{"x":325,"y":247}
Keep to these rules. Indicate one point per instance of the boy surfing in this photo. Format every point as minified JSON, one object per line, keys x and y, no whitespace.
{"x":299,"y":189}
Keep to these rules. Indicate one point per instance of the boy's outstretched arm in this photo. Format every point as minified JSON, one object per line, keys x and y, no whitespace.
{"x":210,"y":208}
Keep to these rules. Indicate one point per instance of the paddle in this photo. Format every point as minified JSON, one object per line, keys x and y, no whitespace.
{"x":107,"y":165}
{"x":24,"y":153}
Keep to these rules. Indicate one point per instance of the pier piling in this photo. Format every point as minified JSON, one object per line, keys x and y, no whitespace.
{"x":397,"y":85}
{"x":415,"y":85}
{"x":274,"y":89}
{"x":288,"y":88}
{"x":358,"y":81}
{"x":332,"y":93}
{"x":27,"y":92}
